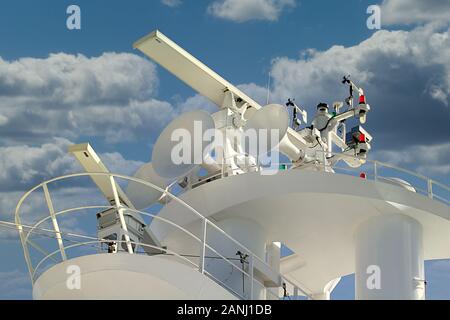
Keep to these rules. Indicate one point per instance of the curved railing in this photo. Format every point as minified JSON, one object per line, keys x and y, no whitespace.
{"x":384,"y":172}
{"x":372,"y":169}
{"x":207,"y":251}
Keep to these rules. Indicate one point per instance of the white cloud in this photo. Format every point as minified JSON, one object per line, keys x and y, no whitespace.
{"x":136,"y":120}
{"x":196,"y":102}
{"x":257,"y":93}
{"x":439,"y":93}
{"x":110,"y":96}
{"x":171,"y":3}
{"x":245,"y":10}
{"x":23,"y":167}
{"x":76,"y":80}
{"x":3,"y":120}
{"x":426,"y":159}
{"x":116,"y":163}
{"x":414,"y":11}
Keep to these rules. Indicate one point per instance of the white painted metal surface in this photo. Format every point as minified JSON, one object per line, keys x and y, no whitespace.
{"x":389,"y":258}
{"x":189,"y":69}
{"x":91,"y":162}
{"x":124,"y":276}
{"x":314,"y":213}
{"x":193,"y":123}
{"x":143,"y":197}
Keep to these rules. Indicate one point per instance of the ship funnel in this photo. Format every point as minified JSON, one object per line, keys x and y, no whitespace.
{"x":143,"y":196}
{"x":274,"y":117}
{"x":179,"y":148}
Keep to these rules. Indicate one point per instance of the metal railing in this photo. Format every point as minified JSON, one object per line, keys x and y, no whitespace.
{"x":207,"y":250}
{"x":372,"y":169}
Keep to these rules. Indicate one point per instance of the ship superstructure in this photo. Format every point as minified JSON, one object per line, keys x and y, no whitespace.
{"x":207,"y":217}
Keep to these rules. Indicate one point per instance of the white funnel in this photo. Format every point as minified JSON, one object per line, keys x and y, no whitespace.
{"x":274,"y":117}
{"x":289,"y":149}
{"x":143,"y":196}
{"x":192,"y":124}
{"x":270,"y":117}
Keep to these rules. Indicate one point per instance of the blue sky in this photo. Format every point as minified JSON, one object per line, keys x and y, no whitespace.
{"x":306,"y":45}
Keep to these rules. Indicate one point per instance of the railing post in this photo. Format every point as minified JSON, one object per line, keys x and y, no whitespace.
{"x":250,"y":269}
{"x":54,"y":222}
{"x":26,"y":252}
{"x":120,"y":213}
{"x":430,"y":188}
{"x":203,"y":247}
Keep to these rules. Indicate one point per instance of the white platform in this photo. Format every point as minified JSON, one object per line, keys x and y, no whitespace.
{"x":125,"y":276}
{"x":313,"y":213}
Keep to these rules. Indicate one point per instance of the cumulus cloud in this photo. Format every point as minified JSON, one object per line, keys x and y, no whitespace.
{"x":196,"y":102}
{"x":245,"y":10}
{"x":426,"y":159}
{"x":64,"y":79}
{"x":414,"y":11}
{"x":110,"y":96}
{"x":171,"y":3}
{"x":257,"y":93}
{"x":23,"y":166}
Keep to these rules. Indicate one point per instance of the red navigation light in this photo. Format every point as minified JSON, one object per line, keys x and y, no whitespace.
{"x":362,"y":175}
{"x":362,"y":137}
{"x":362,"y":99}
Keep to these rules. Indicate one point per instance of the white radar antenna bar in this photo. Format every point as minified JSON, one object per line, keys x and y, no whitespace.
{"x":91,"y":162}
{"x":189,"y":69}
